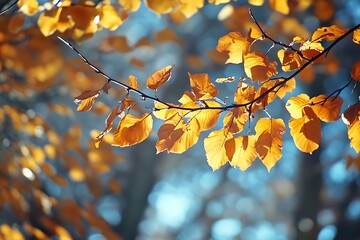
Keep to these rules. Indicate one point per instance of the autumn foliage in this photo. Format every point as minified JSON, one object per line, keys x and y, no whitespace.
{"x":236,"y":130}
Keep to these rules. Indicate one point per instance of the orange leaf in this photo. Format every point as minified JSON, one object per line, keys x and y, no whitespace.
{"x":327,"y":111}
{"x":160,"y":6}
{"x":269,"y":140}
{"x":133,"y":82}
{"x":28,"y":7}
{"x":86,"y":100}
{"x":258,"y":67}
{"x":159,"y":77}
{"x":207,"y":118}
{"x":287,"y":87}
{"x":306,"y":131}
{"x":216,"y":151}
{"x":289,"y":60}
{"x":235,"y":120}
{"x":48,"y":21}
{"x":351,"y":114}
{"x":235,"y":45}
{"x":176,"y":135}
{"x":256,"y":2}
{"x":225,"y":79}
{"x":356,"y":36}
{"x":295,"y":105}
{"x":244,"y":153}
{"x":244,"y":93}
{"x":162,"y":111}
{"x":355,"y":71}
{"x":353,"y":133}
{"x":109,"y":17}
{"x":133,"y":130}
{"x":327,"y":33}
{"x":130,"y":5}
{"x":202,"y":87}
{"x":108,"y":125}
{"x":280,"y":6}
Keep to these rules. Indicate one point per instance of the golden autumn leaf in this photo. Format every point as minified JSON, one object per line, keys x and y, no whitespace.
{"x":162,"y":111}
{"x":48,"y":21}
{"x":355,"y":71}
{"x":216,"y":151}
{"x":352,"y":114}
{"x":306,"y":131}
{"x":108,"y":125}
{"x":86,"y":100}
{"x":353,"y":134}
{"x":356,"y":36}
{"x":296,"y":104}
{"x":133,"y":130}
{"x":327,"y":111}
{"x":189,"y":7}
{"x":133,"y":83}
{"x":160,"y":6}
{"x":286,"y":88}
{"x":244,"y":93}
{"x":159,"y":77}
{"x":327,"y":33}
{"x":28,"y":7}
{"x":280,"y":5}
{"x":269,"y":140}
{"x":225,"y":79}
{"x":202,"y":87}
{"x":289,"y":60}
{"x":235,"y":45}
{"x":130,"y":5}
{"x":176,"y":135}
{"x":207,"y":118}
{"x":218,"y":2}
{"x":235,"y":120}
{"x":245,"y":152}
{"x":109,"y":17}
{"x":258,"y":67}
{"x":256,"y":2}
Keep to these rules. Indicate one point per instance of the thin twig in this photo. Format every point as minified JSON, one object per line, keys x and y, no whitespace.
{"x":9,"y":7}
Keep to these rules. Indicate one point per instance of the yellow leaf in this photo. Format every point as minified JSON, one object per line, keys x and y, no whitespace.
{"x":218,"y":2}
{"x":162,"y":111}
{"x":327,"y":33}
{"x":225,"y":79}
{"x":356,"y":36}
{"x":133,"y":130}
{"x":355,"y":71}
{"x":245,"y":152}
{"x":235,"y":120}
{"x":189,"y":7}
{"x":244,"y":93}
{"x":130,"y":5}
{"x":28,"y":7}
{"x":280,"y":5}
{"x":289,"y":60}
{"x":176,"y":135}
{"x":48,"y":21}
{"x":202,"y":87}
{"x":287,"y":87}
{"x":306,"y":131}
{"x":207,"y":118}
{"x":296,"y":104}
{"x":161,"y":6}
{"x":353,"y":133}
{"x":86,"y":103}
{"x":108,"y":125}
{"x":235,"y":45}
{"x":256,"y":3}
{"x":133,"y":83}
{"x":159,"y":77}
{"x":216,"y":152}
{"x":258,"y":67}
{"x":269,"y":140}
{"x":109,"y":17}
{"x":327,"y":111}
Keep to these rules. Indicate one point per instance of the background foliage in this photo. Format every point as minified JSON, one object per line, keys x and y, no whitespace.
{"x":56,"y":183}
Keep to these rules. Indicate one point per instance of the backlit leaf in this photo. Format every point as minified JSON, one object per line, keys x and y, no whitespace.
{"x":327,"y":111}
{"x":28,"y":7}
{"x":175,"y":135}
{"x":289,"y":60}
{"x":216,"y":152}
{"x":109,"y":17}
{"x":48,"y":21}
{"x":160,"y":6}
{"x":356,"y":36}
{"x":235,"y":45}
{"x":162,"y":111}
{"x":133,"y":130}
{"x":306,"y":131}
{"x":256,"y":3}
{"x":130,"y":5}
{"x":280,"y":6}
{"x":207,"y":118}
{"x":133,"y":83}
{"x":355,"y":71}
{"x":352,"y":114}
{"x":296,"y":104}
{"x":202,"y":87}
{"x":235,"y":120}
{"x":108,"y":125}
{"x":244,"y":93}
{"x":86,"y":100}
{"x":258,"y":67}
{"x":286,"y":88}
{"x":269,"y":140}
{"x":353,"y":134}
{"x":225,"y":79}
{"x":245,"y":152}
{"x":159,"y":77}
{"x":327,"y":33}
